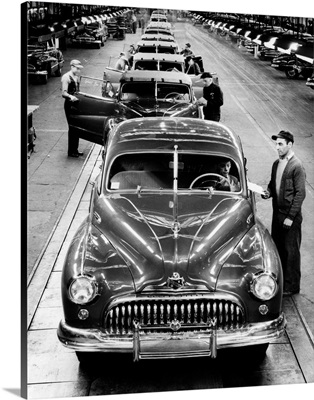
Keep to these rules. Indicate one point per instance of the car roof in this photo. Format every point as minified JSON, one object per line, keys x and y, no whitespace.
{"x":157,"y":43}
{"x":156,"y":37}
{"x":159,"y":30}
{"x":158,"y":57}
{"x":159,"y":76}
{"x":159,"y":133}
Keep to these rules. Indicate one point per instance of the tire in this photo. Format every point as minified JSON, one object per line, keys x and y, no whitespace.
{"x":257,"y":352}
{"x":94,"y":360}
{"x":87,"y":358}
{"x":292,"y":73}
{"x":45,"y":79}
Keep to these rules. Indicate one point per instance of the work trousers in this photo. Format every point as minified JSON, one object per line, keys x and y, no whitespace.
{"x":212,"y":117}
{"x":73,"y":140}
{"x":288,"y":242}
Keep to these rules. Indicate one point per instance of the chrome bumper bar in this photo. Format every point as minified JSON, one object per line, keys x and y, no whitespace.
{"x":170,"y":345}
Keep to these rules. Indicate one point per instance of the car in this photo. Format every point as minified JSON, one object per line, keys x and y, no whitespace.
{"x":159,"y":25}
{"x":169,"y":261}
{"x":281,"y":61}
{"x":43,"y":62}
{"x":158,"y":62}
{"x":98,"y":30}
{"x":297,"y":67}
{"x":158,"y":18}
{"x":266,"y":53}
{"x":158,"y":31}
{"x":164,"y":38}
{"x":157,"y":46}
{"x":105,"y":102}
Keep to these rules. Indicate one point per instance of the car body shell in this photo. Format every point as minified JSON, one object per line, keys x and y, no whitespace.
{"x":158,"y":62}
{"x":157,"y":46}
{"x":164,"y":38}
{"x":158,"y":31}
{"x":173,"y":268}
{"x":93,"y":113}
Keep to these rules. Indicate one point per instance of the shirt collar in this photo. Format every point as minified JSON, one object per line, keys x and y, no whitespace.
{"x":287,"y":158}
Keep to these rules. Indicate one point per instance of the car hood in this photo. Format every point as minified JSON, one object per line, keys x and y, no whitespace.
{"x":145,"y":234}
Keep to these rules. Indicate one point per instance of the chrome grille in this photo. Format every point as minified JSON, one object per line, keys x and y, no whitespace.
{"x":158,"y":313}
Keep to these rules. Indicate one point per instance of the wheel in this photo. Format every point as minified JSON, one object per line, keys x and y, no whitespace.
{"x":292,"y":73}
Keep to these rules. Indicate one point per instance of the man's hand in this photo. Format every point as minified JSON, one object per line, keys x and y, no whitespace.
{"x":201,"y":102}
{"x":73,"y":98}
{"x":265,"y":195}
{"x":287,"y":223}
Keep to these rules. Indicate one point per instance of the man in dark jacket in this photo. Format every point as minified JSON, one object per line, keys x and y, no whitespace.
{"x":192,"y":67}
{"x":212,"y":98}
{"x":287,"y":189}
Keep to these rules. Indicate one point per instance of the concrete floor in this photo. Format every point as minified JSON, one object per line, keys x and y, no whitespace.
{"x":259,"y":101}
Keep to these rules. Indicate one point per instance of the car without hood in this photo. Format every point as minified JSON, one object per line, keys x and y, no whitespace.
{"x":102,"y":103}
{"x":171,"y":261}
{"x":158,"y":46}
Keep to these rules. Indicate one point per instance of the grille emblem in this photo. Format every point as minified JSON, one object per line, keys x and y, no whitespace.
{"x":175,"y":325}
{"x":175,"y":281}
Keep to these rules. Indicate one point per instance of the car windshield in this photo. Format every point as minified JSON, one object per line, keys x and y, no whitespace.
{"x":157,"y":91}
{"x":156,"y":171}
{"x":157,"y":49}
{"x":170,"y":66}
{"x":150,"y":65}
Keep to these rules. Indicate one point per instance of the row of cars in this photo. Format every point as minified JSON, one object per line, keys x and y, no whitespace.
{"x":155,"y":85}
{"x":44,"y":59}
{"x":170,"y":262}
{"x":288,"y":51}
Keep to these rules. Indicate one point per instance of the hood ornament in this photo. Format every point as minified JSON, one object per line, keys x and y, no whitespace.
{"x":175,"y":281}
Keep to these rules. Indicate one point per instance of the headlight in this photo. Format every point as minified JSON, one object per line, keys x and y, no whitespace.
{"x":264,"y":286}
{"x":82,"y":290}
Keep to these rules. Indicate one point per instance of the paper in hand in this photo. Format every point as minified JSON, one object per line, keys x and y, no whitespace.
{"x":255,"y":188}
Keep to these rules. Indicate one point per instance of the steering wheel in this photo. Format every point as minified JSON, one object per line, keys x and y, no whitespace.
{"x":217,"y":179}
{"x":176,"y":97}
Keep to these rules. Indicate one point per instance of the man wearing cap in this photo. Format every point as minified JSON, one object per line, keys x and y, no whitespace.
{"x":212,"y":98}
{"x":70,"y":85}
{"x":123,"y":63}
{"x":287,"y":189}
{"x":187,"y":50}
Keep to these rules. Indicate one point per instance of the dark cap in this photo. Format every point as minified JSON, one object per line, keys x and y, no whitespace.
{"x":206,"y":75}
{"x":76,"y":63}
{"x":284,"y":135}
{"x":188,"y":44}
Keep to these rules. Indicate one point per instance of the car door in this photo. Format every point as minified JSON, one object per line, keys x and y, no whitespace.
{"x":96,"y":103}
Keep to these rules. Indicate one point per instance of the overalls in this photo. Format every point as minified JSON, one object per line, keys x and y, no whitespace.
{"x":73,"y":140}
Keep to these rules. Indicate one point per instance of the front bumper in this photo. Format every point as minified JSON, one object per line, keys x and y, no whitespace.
{"x":170,"y":345}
